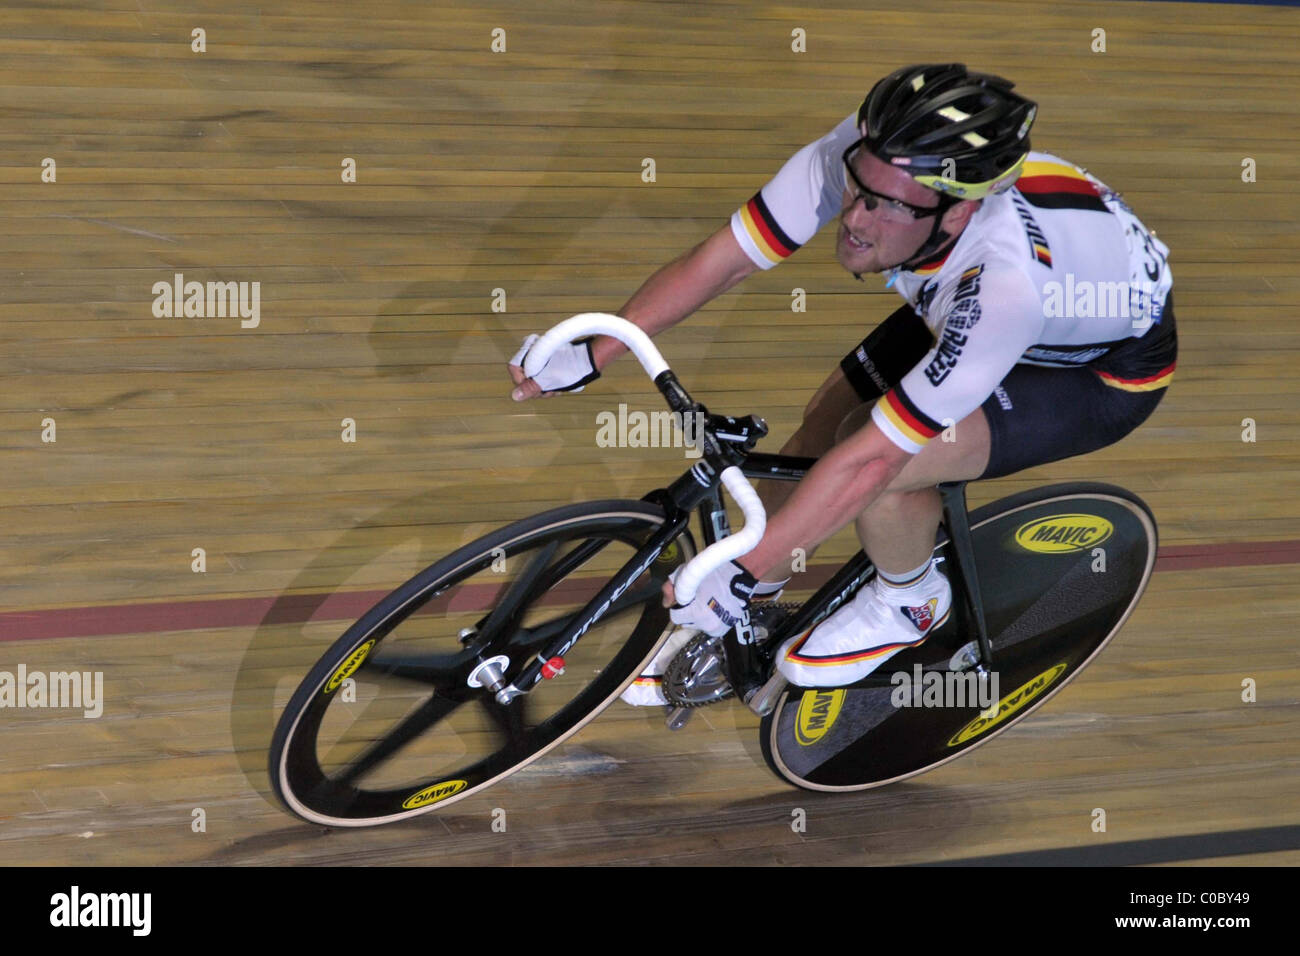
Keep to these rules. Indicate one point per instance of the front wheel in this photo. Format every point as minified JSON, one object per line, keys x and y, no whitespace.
{"x":386,"y":726}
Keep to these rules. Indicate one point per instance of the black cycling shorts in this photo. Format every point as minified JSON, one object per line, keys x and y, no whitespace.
{"x":1038,"y":414}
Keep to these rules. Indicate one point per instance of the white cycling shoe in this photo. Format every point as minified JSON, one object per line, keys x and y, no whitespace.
{"x":879,"y":622}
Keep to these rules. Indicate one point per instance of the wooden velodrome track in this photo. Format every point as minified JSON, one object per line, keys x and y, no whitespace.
{"x":521,"y":171}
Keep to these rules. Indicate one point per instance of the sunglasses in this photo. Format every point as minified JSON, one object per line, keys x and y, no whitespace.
{"x":889,"y":207}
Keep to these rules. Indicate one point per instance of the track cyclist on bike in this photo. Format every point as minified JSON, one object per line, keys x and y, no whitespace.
{"x":1038,"y":324}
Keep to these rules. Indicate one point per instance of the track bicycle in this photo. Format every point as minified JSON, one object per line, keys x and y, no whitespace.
{"x":496,"y":654}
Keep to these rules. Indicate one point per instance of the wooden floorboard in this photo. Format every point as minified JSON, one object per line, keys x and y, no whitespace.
{"x":521,"y":171}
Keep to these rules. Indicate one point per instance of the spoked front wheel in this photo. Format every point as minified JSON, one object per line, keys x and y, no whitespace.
{"x":387,"y":725}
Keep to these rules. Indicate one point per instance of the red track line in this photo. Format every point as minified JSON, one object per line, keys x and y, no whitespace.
{"x":249,"y":612}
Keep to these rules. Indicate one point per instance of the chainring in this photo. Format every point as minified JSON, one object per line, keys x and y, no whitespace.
{"x":697,"y":674}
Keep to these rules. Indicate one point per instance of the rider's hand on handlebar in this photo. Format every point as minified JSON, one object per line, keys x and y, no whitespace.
{"x":721,"y":600}
{"x":568,"y":369}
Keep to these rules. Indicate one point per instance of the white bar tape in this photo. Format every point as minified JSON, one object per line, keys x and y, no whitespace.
{"x":596,"y":323}
{"x":730,"y":548}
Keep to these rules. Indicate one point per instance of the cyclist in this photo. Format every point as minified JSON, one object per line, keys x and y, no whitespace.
{"x":1038,"y":324}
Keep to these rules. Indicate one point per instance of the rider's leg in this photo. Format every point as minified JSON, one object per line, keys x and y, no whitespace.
{"x":864,"y":374}
{"x":897,"y":529}
{"x":815,"y":435}
{"x":1036,"y":416}
{"x":909,"y":596}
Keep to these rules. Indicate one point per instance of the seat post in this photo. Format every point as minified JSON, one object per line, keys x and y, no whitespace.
{"x":957,"y":520}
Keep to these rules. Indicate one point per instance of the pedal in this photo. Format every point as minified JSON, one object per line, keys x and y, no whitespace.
{"x":967,"y":656}
{"x":763,"y":700}
{"x":678,"y":717}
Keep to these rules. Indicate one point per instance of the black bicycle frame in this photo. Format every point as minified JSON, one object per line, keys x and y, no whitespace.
{"x":695,"y":488}
{"x":726,"y":442}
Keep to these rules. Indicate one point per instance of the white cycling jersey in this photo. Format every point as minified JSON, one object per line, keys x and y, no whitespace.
{"x":1055,"y":271}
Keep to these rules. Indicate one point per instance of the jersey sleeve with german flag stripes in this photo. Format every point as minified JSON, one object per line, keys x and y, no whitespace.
{"x":991,"y":317}
{"x":805,"y":195}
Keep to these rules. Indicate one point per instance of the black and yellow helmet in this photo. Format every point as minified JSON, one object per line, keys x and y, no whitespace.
{"x":963,"y":134}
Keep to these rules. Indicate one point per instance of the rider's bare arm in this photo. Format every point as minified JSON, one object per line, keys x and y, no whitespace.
{"x":809,"y":188}
{"x":679,"y":288}
{"x":721,"y":261}
{"x":667,"y":297}
{"x":843,"y":483}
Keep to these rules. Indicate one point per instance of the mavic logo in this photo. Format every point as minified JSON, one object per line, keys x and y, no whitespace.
{"x":1062,"y":533}
{"x":439,"y":791}
{"x":1014,"y":701}
{"x":818,"y":710}
{"x":349,"y":667}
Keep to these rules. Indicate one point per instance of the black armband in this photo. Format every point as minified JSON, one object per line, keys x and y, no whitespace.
{"x":891,"y":351}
